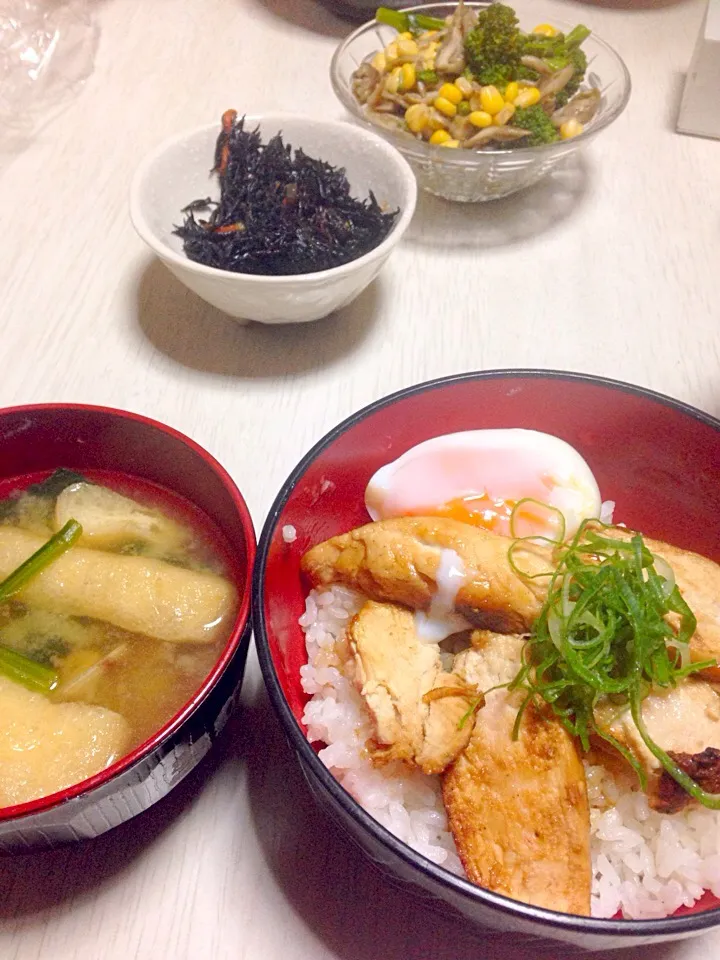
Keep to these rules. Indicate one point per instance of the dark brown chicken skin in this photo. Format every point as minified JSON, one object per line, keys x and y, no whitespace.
{"x":685,"y":721}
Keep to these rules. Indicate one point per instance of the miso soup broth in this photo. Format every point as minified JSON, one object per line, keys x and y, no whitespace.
{"x":131,"y":619}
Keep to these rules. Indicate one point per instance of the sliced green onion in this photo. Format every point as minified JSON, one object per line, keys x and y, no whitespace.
{"x":29,"y":673}
{"x":710,"y":800}
{"x":603,"y":631}
{"x":48,"y":552}
{"x":13,"y":665}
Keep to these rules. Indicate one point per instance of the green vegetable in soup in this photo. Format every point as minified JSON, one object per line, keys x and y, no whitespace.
{"x":28,"y":673}
{"x":42,"y":558}
{"x":54,"y":485}
{"x":31,"y":674}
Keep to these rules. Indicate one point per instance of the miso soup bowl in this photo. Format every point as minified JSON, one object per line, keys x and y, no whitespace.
{"x":178,"y":171}
{"x":656,"y":457}
{"x":36,"y":440}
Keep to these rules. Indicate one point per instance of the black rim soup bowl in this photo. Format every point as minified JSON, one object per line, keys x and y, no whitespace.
{"x":655,"y":457}
{"x":105,"y":443}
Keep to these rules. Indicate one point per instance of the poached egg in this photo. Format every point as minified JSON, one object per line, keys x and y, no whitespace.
{"x":489,"y":478}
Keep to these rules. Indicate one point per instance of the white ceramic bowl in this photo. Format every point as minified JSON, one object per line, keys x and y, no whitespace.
{"x":177,"y":172}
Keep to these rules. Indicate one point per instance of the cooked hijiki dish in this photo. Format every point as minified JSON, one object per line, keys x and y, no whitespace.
{"x":475,"y":80}
{"x":280,"y":212}
{"x":114,"y":607}
{"x":516,"y":684}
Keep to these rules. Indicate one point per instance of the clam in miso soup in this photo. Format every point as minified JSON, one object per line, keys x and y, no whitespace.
{"x":105,"y":644}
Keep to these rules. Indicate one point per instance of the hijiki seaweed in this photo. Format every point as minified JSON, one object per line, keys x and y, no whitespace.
{"x":280,"y":211}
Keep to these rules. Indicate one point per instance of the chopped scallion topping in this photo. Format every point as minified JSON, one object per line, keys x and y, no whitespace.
{"x":604,"y":631}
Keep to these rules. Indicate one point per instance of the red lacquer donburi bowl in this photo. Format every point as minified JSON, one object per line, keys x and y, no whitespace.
{"x":136,"y":451}
{"x":657,"y":458}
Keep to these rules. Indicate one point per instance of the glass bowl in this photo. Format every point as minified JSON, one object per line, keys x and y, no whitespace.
{"x":471,"y":176}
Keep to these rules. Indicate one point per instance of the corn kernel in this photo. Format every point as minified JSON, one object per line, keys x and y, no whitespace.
{"x":407,"y":48}
{"x":416,"y":117}
{"x":527,"y":97}
{"x":440,"y":136}
{"x":511,"y":91}
{"x":571,"y":128}
{"x":392,"y":81}
{"x":491,"y":99}
{"x":479,"y":118}
{"x":445,"y":106}
{"x":407,"y":76}
{"x":379,"y":62}
{"x":545,"y":30}
{"x":405,"y":35}
{"x":391,"y":52}
{"x":448,"y":91}
{"x":504,"y":116}
{"x":450,"y":143}
{"x":464,"y":86}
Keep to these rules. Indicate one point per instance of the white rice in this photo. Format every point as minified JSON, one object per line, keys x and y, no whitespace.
{"x":607,"y":510}
{"x":645,"y":864}
{"x":289,"y":533}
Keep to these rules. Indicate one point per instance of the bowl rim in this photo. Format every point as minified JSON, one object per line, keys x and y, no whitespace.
{"x":422,"y":151}
{"x":240,"y":625}
{"x":166,"y":253}
{"x":633,"y":930}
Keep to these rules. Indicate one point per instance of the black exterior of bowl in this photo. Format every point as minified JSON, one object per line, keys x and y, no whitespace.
{"x":400,"y":862}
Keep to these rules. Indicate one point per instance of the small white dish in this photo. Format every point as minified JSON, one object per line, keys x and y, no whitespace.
{"x":178,"y":171}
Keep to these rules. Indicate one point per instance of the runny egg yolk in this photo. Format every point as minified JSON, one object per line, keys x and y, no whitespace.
{"x":504,"y":517}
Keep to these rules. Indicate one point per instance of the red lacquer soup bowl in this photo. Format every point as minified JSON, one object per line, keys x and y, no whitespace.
{"x":657,"y":458}
{"x":133,"y":453}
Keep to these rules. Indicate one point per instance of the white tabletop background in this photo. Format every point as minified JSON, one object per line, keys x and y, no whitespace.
{"x":610,"y":267}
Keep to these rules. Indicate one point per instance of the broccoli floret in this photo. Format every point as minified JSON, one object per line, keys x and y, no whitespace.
{"x":428,"y":77}
{"x":574,"y":56}
{"x":492,"y":47}
{"x":577,"y":59}
{"x":498,"y":74}
{"x":537,"y":122}
{"x":558,"y":52}
{"x":538,"y":45}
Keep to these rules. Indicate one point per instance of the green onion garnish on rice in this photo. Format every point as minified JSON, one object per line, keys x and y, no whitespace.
{"x":603,"y":631}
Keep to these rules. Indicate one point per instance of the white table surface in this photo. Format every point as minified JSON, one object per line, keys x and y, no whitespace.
{"x":611,"y":267}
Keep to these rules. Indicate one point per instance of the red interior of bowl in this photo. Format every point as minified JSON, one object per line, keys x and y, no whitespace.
{"x":658,"y":462}
{"x":133,"y":454}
